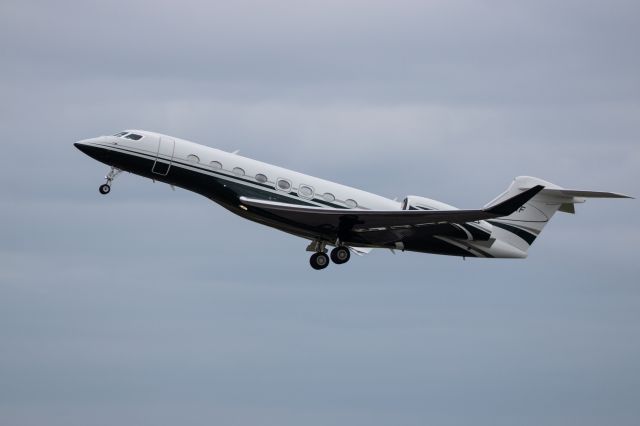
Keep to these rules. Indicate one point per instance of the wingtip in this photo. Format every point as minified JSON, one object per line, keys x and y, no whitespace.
{"x":512,"y":204}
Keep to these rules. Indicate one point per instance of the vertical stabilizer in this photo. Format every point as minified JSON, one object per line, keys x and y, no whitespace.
{"x":521,"y":228}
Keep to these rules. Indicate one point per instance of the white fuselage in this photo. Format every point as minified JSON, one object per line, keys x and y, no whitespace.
{"x":238,"y":169}
{"x":227,"y":178}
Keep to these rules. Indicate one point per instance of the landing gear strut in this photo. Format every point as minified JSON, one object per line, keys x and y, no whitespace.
{"x":319,"y":260}
{"x":106,"y":188}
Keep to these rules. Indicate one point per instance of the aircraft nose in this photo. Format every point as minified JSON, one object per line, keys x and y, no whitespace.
{"x":89,"y":148}
{"x":81,"y":146}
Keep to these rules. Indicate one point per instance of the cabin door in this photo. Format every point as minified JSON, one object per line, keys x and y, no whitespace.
{"x":164,"y":156}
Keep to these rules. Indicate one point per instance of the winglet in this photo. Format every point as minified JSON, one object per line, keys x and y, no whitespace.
{"x":512,"y":204}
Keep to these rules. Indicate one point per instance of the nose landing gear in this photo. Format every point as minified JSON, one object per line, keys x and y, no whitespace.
{"x":106,"y":188}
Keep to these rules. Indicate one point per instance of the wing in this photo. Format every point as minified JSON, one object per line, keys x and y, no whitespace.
{"x":341,"y":223}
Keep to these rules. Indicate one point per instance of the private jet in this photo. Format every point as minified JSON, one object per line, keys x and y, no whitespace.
{"x":329,"y":214}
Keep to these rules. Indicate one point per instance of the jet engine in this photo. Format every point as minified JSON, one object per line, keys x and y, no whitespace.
{"x":413,"y":202}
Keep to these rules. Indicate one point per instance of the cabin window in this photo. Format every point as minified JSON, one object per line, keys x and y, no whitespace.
{"x":284,"y":184}
{"x":238,"y":171}
{"x":133,"y":136}
{"x":193,"y":158}
{"x":351,"y":203}
{"x":305,"y":191}
{"x":261,"y":178}
{"x":329,"y":197}
{"x":120,"y":134}
{"x":216,"y":165}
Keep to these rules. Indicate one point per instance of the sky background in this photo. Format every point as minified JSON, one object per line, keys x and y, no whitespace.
{"x":155,"y":307}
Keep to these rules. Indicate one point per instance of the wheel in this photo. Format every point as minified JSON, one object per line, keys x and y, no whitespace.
{"x":319,"y":261}
{"x":104,"y":189}
{"x":340,"y":255}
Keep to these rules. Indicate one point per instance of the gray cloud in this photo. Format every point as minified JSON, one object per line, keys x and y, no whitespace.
{"x":152,"y":306}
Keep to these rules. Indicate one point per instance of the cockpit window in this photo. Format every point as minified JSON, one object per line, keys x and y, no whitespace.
{"x":133,"y":136}
{"x":120,"y":134}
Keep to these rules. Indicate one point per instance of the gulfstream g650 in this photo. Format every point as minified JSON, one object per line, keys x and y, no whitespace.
{"x":330,"y":214}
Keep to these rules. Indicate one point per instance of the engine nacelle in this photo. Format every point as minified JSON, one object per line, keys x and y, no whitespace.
{"x":471,"y":231}
{"x":413,"y":202}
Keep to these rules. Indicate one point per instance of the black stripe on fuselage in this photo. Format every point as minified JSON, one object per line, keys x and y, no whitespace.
{"x":241,"y":186}
{"x":225,"y":190}
{"x":525,"y":235}
{"x":434,"y":245}
{"x":477,"y":233}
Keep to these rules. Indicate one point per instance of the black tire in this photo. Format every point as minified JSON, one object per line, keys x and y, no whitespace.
{"x":104,"y":189}
{"x":340,"y":255}
{"x":319,"y":261}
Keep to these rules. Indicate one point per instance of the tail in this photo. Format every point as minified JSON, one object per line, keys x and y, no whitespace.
{"x":520,"y":229}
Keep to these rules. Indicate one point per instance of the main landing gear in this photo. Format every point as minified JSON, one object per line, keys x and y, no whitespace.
{"x":320,"y":260}
{"x":106,"y":188}
{"x":340,"y":255}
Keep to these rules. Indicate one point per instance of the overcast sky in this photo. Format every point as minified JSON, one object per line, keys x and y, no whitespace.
{"x":150,"y":306}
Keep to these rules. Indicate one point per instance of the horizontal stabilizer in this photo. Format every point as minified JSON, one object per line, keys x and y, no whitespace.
{"x":568,"y":193}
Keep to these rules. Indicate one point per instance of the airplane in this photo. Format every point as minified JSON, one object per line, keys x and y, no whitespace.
{"x":335,"y":215}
